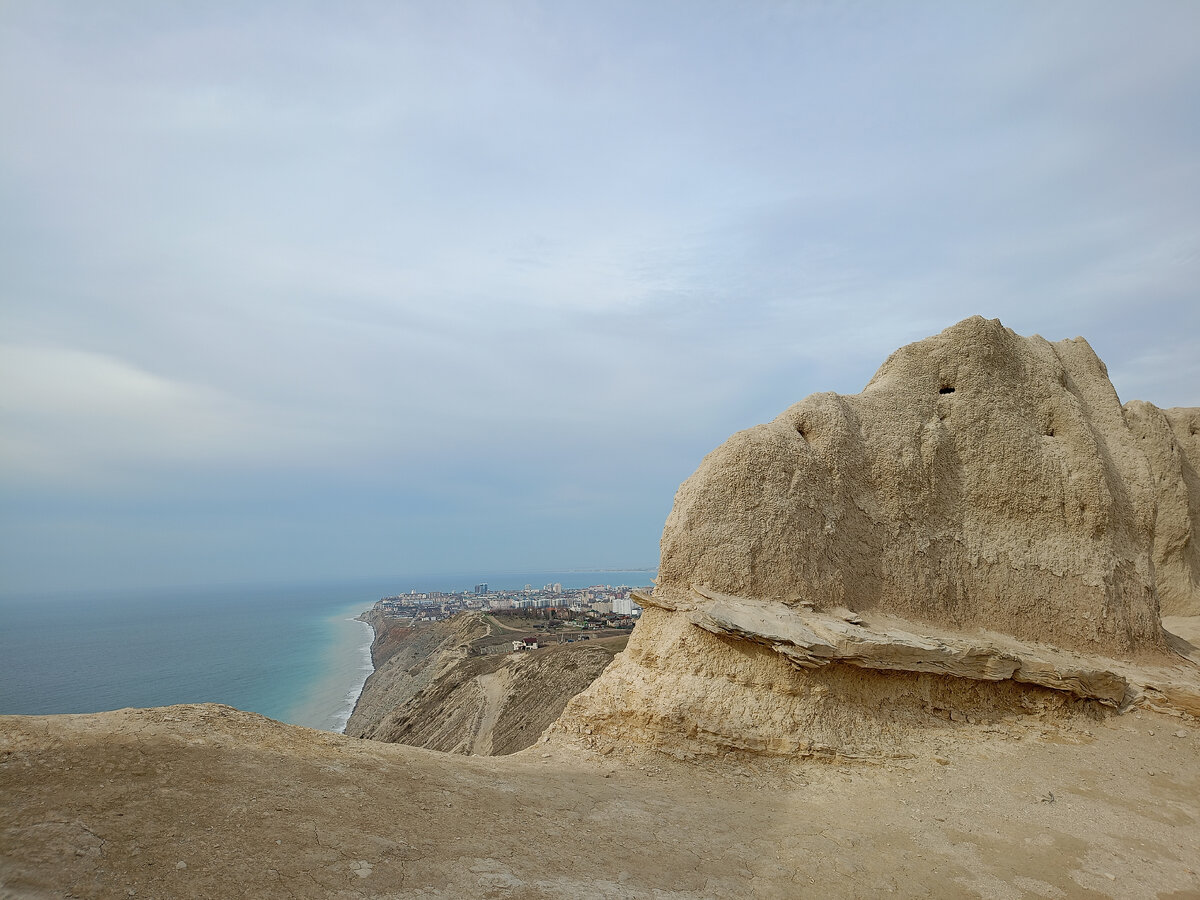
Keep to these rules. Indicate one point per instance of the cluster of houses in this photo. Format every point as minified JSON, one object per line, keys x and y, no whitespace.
{"x":602,"y":600}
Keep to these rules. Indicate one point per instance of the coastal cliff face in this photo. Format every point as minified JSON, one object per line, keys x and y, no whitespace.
{"x":429,"y":690}
{"x":983,"y":532}
{"x":407,"y":661}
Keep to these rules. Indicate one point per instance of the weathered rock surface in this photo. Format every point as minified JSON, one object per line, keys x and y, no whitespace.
{"x":809,"y":639}
{"x":1171,"y":441}
{"x":986,"y":506}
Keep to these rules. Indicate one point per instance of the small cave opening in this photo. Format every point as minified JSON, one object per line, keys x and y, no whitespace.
{"x":945,"y":389}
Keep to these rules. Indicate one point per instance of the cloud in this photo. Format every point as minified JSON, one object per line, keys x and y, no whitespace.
{"x":512,"y":265}
{"x":75,"y":416}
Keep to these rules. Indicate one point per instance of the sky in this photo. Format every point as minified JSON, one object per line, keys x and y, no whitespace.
{"x":305,"y":291}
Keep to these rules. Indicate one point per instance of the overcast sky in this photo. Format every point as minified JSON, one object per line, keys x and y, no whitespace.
{"x":320,"y":290}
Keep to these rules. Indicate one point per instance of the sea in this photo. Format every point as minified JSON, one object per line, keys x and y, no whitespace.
{"x":295,"y":653}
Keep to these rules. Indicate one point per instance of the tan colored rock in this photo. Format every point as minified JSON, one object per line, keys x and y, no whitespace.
{"x":1170,"y":439}
{"x":984,"y":496}
{"x":810,"y":639}
{"x":1017,"y":500}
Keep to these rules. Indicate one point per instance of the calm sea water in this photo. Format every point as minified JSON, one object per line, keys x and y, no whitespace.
{"x":294,"y":653}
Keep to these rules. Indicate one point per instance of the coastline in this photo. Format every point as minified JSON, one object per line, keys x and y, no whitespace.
{"x":374,"y":620}
{"x":287,"y":651}
{"x":367,"y":669}
{"x":342,"y":667}
{"x":290,"y":651}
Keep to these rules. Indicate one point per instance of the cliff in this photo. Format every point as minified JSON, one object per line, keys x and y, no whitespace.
{"x":407,"y":660}
{"x":982,"y":532}
{"x":432,"y":689}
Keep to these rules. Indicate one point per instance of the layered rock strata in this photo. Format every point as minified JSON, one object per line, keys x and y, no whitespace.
{"x":984,"y":531}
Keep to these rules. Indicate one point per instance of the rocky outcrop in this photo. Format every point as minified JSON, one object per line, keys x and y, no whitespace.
{"x":976,"y":535}
{"x":809,"y":639}
{"x":1170,"y":439}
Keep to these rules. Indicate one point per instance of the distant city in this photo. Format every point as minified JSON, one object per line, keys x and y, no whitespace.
{"x":598,"y":601}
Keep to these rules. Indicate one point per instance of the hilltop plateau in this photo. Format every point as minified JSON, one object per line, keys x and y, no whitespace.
{"x":206,"y":801}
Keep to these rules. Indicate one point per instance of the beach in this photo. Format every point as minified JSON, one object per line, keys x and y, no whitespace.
{"x":345,"y":668}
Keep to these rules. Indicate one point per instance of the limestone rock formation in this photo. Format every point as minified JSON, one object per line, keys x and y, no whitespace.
{"x":983,"y":530}
{"x":1170,"y":439}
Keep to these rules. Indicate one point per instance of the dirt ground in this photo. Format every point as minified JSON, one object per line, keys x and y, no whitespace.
{"x":207,"y":801}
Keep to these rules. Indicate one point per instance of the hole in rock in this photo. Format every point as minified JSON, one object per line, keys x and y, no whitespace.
{"x":945,"y":389}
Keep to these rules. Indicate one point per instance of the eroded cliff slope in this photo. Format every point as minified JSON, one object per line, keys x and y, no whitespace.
{"x":432,"y":688}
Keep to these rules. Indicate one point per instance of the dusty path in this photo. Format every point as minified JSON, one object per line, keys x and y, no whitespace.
{"x":192,"y":801}
{"x":494,"y":687}
{"x":492,"y":621}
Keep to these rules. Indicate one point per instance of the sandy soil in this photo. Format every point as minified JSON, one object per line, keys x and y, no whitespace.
{"x":206,"y":801}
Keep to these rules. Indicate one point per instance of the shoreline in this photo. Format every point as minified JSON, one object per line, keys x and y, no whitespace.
{"x":366,"y":652}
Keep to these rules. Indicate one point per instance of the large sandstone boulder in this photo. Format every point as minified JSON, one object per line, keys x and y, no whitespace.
{"x":979,"y":532}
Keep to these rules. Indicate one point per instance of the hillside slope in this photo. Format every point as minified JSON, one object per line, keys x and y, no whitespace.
{"x":430,"y":689}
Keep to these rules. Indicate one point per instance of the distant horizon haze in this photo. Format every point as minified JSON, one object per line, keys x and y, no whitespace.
{"x":421,"y":582}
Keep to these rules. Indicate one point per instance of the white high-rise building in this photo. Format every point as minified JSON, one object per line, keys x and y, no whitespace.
{"x":624,"y":606}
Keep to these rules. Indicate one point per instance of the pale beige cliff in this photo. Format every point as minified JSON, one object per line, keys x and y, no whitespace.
{"x":407,"y":662}
{"x":432,"y":688}
{"x":979,"y":533}
{"x":1170,"y":439}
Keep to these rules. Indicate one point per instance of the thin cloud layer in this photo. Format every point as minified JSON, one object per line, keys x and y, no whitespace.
{"x":395,"y":288}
